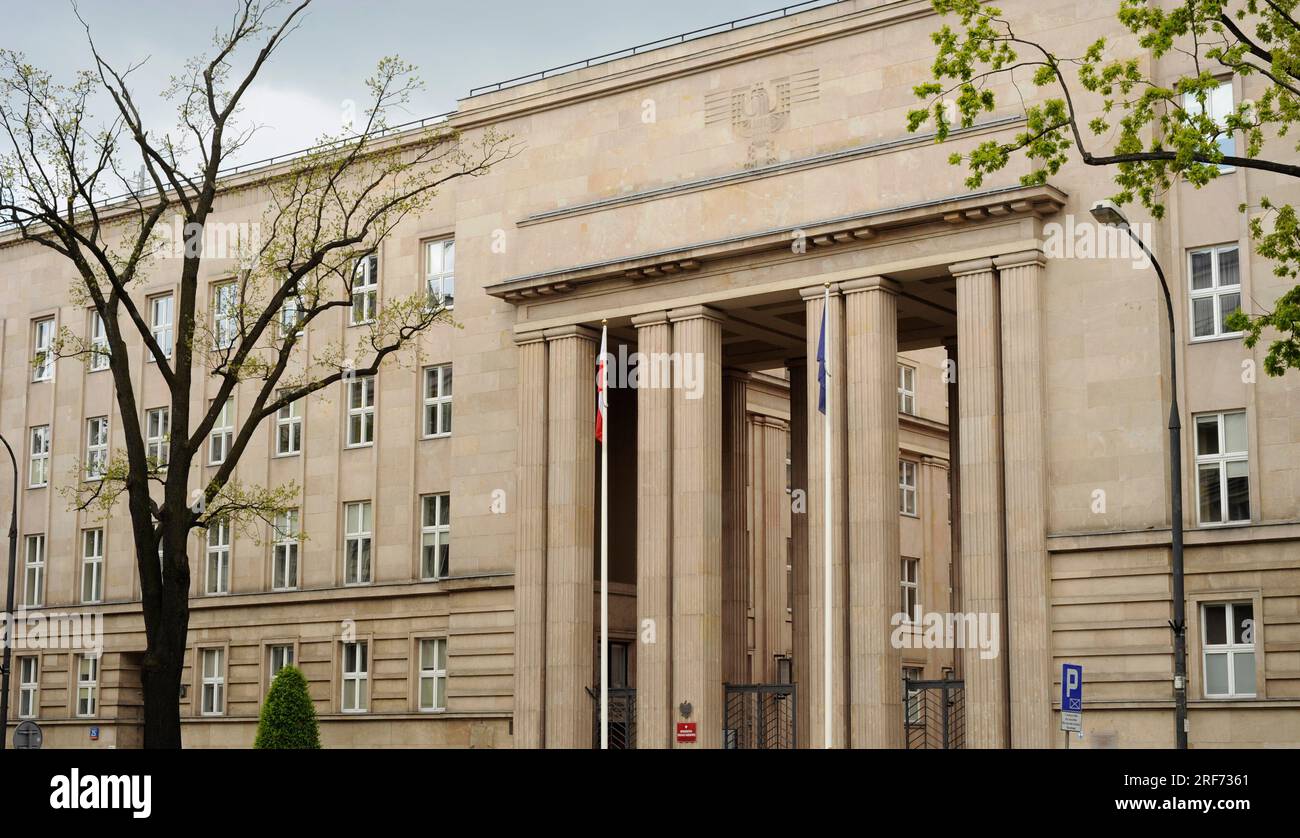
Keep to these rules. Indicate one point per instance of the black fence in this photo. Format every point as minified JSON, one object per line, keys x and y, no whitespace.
{"x":759,"y":716}
{"x":934,"y":715}
{"x":622,"y":718}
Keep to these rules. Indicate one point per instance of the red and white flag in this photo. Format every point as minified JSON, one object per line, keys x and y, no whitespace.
{"x":602,"y":388}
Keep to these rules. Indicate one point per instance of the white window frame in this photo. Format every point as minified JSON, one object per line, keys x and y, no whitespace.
{"x":38,"y":457}
{"x":1215,"y":292}
{"x":34,"y":570}
{"x":161,"y":329}
{"x":212,"y":698}
{"x":907,"y":389}
{"x":99,"y":354}
{"x":435,"y":533}
{"x":361,"y":413}
{"x":285,"y":653}
{"x":355,"y":676}
{"x":216,"y":565}
{"x":1230,"y":649}
{"x":912,"y":706}
{"x":437,"y":393}
{"x":222,"y":434}
{"x":225,"y":314}
{"x":909,"y":575}
{"x":87,"y":695}
{"x":29,"y":685}
{"x":291,"y":313}
{"x":1221,"y":101}
{"x":157,"y":428}
{"x":288,"y":426}
{"x":96,"y":447}
{"x":433,"y":672}
{"x":43,"y":349}
{"x":907,"y":496}
{"x":358,"y":539}
{"x":365,"y":291}
{"x":286,"y":550}
{"x":1223,"y":459}
{"x":439,"y":279}
{"x":92,"y":565}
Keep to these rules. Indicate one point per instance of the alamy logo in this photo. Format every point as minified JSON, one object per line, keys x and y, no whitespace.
{"x":110,"y":791}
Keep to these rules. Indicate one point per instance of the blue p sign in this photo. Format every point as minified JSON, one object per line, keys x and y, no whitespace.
{"x":1071,"y":687}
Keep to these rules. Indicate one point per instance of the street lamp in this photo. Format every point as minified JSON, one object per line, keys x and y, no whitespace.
{"x":1106,"y":212}
{"x":9,"y":603}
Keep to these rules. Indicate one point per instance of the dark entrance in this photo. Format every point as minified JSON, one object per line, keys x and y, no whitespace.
{"x":759,"y":716}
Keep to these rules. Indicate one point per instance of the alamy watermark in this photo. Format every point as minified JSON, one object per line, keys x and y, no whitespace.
{"x":38,"y":631}
{"x":1088,"y":239}
{"x":945,"y":630}
{"x":657,"y":370}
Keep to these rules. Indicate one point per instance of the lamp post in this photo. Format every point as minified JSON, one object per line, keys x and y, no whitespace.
{"x":1106,"y":212}
{"x":9,"y":603}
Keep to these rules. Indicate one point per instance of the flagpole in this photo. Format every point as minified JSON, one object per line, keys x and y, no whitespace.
{"x":603,"y":394}
{"x":828,"y":704}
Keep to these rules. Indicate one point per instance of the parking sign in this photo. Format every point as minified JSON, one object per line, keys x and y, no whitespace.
{"x":1071,"y":697}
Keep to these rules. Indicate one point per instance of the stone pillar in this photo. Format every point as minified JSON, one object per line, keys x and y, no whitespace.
{"x":697,"y":523}
{"x":956,"y":598}
{"x":654,"y":408}
{"x":1020,"y":278}
{"x":735,"y":576}
{"x":570,"y":538}
{"x":982,"y":557}
{"x":798,"y":500}
{"x":769,"y":545}
{"x":814,"y":694}
{"x":530,"y":547}
{"x":875,"y":666}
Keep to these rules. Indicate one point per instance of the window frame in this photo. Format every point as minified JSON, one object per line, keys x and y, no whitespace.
{"x":1222,"y":459}
{"x":367,"y":290}
{"x":212,"y":685}
{"x":225,"y":324}
{"x":100,"y":358}
{"x":909,"y":588}
{"x":158,"y":446}
{"x":221,"y":553}
{"x":362,"y":536}
{"x":29,"y":690}
{"x":96,"y":451}
{"x":433,"y":673}
{"x":365,"y":413}
{"x":223,"y":428}
{"x":439,"y":530}
{"x":286,"y":536}
{"x":359,"y":679}
{"x":908,"y":490}
{"x":34,"y":571}
{"x":162,"y":332}
{"x":442,"y":276}
{"x":1227,"y":141}
{"x":92,"y":563}
{"x":441,"y":375}
{"x":1215,"y":292}
{"x":293,"y":422}
{"x":906,"y":389}
{"x":1229,"y":649}
{"x":35,"y":457}
{"x":89,"y":685}
{"x":43,"y":348}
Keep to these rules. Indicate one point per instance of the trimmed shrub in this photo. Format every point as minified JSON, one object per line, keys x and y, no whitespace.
{"x":288,"y":717}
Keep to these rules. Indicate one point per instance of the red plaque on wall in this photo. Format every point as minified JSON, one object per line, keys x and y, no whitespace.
{"x":686,"y":732}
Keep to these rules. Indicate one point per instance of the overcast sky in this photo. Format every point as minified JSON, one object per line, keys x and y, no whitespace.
{"x":456,"y":45}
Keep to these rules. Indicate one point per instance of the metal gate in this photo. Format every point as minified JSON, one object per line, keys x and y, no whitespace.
{"x":759,"y":716}
{"x":934,"y":714}
{"x":622,"y":718}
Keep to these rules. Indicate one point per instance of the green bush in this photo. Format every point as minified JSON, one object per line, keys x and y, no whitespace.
{"x":288,"y":717}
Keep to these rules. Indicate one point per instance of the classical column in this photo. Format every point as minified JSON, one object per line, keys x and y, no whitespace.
{"x":798,"y":372}
{"x":697,"y":522}
{"x":770,"y":437}
{"x":654,"y":532}
{"x":735,"y":576}
{"x":982,"y":559}
{"x":954,"y":486}
{"x":1020,"y":278}
{"x":570,"y":537}
{"x":815,"y":693}
{"x":530,"y":547}
{"x":875,"y":665}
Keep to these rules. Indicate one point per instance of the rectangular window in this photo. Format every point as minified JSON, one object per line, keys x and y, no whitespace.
{"x":34,"y":572}
{"x":217,"y":578}
{"x":1222,"y":468}
{"x":440,"y":272}
{"x":284,"y":552}
{"x":96,"y":447}
{"x":358,"y":522}
{"x":99,"y":357}
{"x":618,"y":664}
{"x":1218,"y":105}
{"x":288,"y":429}
{"x":1228,"y":649}
{"x":435,"y":536}
{"x":222,"y":434}
{"x":92,"y":565}
{"x":365,"y":290}
{"x":907,"y":389}
{"x":225,"y":315}
{"x":38,"y":468}
{"x":281,"y":655}
{"x":291,"y":313}
{"x":160,"y":323}
{"x":361,"y":411}
{"x":907,"y":487}
{"x":437,"y":400}
{"x":158,"y":426}
{"x":1215,"y":290}
{"x":908,"y":583}
{"x":913,"y":696}
{"x":214,"y":682}
{"x":433,"y":673}
{"x":87,"y":684}
{"x":356,"y":672}
{"x":28,"y":684}
{"x":43,"y":350}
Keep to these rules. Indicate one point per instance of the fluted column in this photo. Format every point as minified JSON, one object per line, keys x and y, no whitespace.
{"x":770,"y":437}
{"x":982,"y":558}
{"x":1020,"y":278}
{"x":697,"y":524}
{"x":815,"y":693}
{"x":875,"y":665}
{"x":798,"y":372}
{"x":530,"y":547}
{"x":735,"y":576}
{"x":654,"y":606}
{"x":570,"y":547}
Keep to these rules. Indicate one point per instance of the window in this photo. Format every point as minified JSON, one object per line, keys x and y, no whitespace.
{"x":158,"y":425}
{"x":99,"y":357}
{"x":1222,"y":468}
{"x":913,"y":696}
{"x":43,"y":354}
{"x":1215,"y":290}
{"x":440,"y":272}
{"x":435,"y":536}
{"x":92,"y":565}
{"x":28,"y":684}
{"x":907,"y":389}
{"x":217,"y":578}
{"x":1218,"y":104}
{"x":214,"y":682}
{"x":437,"y":400}
{"x":160,"y":323}
{"x":907,"y":487}
{"x":358,"y":522}
{"x":288,"y":429}
{"x":361,"y":411}
{"x":618,"y":664}
{"x":281,"y":656}
{"x":907,"y":581}
{"x":87,"y":684}
{"x":291,"y":313}
{"x":34,"y":572}
{"x":355,"y":674}
{"x":222,"y":434}
{"x":1228,"y":649}
{"x":284,"y":552}
{"x":96,"y":447}
{"x":365,"y":290}
{"x":433,"y":673}
{"x":38,"y":468}
{"x":225,"y":315}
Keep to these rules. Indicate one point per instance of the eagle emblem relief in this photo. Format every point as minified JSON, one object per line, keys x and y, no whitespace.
{"x":757,"y":112}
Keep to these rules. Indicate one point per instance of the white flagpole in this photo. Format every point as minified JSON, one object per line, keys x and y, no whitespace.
{"x":603,"y":395}
{"x":826,"y":507}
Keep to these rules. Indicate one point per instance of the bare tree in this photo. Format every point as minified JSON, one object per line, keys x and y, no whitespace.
{"x":326,"y":214}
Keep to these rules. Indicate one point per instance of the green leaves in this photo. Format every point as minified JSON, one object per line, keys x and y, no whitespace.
{"x":288,"y":719}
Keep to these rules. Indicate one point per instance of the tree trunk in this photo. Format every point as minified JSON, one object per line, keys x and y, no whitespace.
{"x":166,"y":618}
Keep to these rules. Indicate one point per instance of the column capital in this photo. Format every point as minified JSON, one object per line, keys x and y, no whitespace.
{"x":936,"y":462}
{"x":767,"y":421}
{"x":573,"y":330}
{"x":677,"y":315}
{"x":525,"y":338}
{"x":1024,"y":257}
{"x":870,"y":283}
{"x":650,"y":318}
{"x":972,"y":266}
{"x":734,"y":372}
{"x":814,"y":292}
